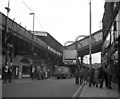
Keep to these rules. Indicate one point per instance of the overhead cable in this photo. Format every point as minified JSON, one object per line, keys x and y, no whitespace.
{"x":35,"y":14}
{"x":27,"y":6}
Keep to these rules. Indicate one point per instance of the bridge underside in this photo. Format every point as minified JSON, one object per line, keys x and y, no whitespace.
{"x":96,"y":47}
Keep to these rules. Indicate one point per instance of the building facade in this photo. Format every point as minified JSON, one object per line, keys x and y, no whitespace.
{"x":111,"y":32}
{"x":22,"y":50}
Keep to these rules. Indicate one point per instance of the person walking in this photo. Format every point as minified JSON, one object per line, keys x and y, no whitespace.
{"x":109,"y":73}
{"x":10,"y":73}
{"x":5,"y":76}
{"x":103,"y":76}
{"x":81,"y":76}
{"x":33,"y":73}
{"x":77,"y":76}
{"x":85,"y":76}
{"x":96,"y":80}
{"x":91,"y":78}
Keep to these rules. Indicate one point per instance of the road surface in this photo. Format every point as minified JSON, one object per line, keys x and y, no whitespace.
{"x":41,"y":88}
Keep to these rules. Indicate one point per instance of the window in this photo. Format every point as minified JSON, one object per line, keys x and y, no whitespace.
{"x":112,"y":34}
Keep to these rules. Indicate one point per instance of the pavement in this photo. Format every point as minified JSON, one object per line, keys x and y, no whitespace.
{"x":98,"y":92}
{"x":16,"y":81}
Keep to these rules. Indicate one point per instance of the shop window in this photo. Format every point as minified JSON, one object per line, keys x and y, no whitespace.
{"x":26,"y":70}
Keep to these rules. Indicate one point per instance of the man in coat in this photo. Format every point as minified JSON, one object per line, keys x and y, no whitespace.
{"x":91,"y":78}
{"x":109,"y":71}
{"x":77,"y":76}
{"x":103,"y":76}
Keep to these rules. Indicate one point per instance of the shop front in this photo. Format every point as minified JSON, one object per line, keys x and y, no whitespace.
{"x":0,"y":66}
{"x":21,"y":67}
{"x":16,"y":66}
{"x":25,"y":68}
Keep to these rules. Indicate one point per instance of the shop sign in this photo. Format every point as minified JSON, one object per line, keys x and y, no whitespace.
{"x":52,"y":49}
{"x":70,"y":62}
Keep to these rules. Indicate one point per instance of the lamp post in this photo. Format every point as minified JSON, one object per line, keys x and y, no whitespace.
{"x":33,"y":57}
{"x":33,"y":20}
{"x":6,"y":32}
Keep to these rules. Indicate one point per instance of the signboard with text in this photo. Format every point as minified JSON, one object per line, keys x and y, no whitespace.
{"x":69,"y":56}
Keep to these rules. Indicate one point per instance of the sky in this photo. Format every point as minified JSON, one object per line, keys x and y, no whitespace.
{"x":63,"y":19}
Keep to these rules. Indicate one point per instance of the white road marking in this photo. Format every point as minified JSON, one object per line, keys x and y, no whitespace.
{"x":77,"y":92}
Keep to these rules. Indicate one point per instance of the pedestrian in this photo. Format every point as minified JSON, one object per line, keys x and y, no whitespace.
{"x":10,"y":73}
{"x":103,"y":76}
{"x":16,"y":72}
{"x":81,"y":76}
{"x":109,"y":73}
{"x":33,"y":73}
{"x":91,"y":78}
{"x":77,"y":76}
{"x":5,"y":76}
{"x":84,"y":73}
{"x":96,"y":80}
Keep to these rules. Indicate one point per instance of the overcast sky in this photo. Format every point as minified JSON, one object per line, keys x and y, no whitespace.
{"x":63,"y":19}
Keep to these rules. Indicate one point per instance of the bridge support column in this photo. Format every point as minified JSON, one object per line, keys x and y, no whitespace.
{"x":9,"y":55}
{"x":81,"y":63}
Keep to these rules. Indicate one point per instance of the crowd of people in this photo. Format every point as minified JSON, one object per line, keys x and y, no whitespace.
{"x":95,"y":76}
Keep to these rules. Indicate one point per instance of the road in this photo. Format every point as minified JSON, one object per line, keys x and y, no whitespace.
{"x":41,"y":88}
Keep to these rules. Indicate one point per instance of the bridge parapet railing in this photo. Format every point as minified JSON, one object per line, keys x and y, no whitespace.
{"x":96,"y":37}
{"x":17,"y":29}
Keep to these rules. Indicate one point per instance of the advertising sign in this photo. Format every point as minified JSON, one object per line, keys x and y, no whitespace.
{"x":69,"y":56}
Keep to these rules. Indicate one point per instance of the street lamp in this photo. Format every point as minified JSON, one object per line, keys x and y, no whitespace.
{"x":33,"y":20}
{"x":6,"y":32}
{"x":33,"y":56}
{"x":7,"y":8}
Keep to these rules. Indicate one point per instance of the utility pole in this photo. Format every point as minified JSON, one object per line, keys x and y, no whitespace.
{"x":76,"y":47}
{"x":90,"y":58}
